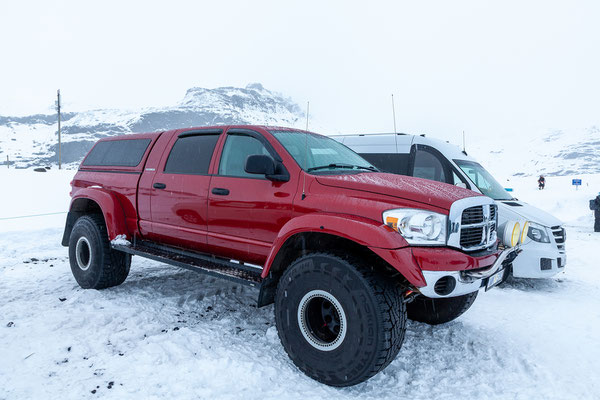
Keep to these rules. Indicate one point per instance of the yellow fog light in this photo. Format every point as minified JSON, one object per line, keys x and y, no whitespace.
{"x":525,"y":230}
{"x":512,"y":233}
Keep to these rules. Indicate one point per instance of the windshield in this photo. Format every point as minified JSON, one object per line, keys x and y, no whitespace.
{"x":316,"y":153}
{"x":483,"y":180}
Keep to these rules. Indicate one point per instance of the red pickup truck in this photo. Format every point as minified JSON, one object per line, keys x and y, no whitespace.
{"x":345,"y":252}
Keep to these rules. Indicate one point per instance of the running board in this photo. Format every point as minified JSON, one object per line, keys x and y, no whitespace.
{"x":193,"y":261}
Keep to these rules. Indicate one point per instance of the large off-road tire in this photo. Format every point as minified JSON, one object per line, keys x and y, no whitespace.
{"x":339,"y":320}
{"x":439,"y":311}
{"x":93,"y":263}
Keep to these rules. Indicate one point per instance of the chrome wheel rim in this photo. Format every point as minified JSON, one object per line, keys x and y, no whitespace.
{"x":322,"y":320}
{"x":83,"y":253}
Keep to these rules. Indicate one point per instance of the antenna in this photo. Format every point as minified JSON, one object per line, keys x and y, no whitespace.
{"x":305,"y":152}
{"x":394,"y":112}
{"x":464,"y":148}
{"x":307,"y":111}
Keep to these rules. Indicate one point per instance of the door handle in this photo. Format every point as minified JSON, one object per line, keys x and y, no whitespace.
{"x":220,"y":191}
{"x":159,"y":186}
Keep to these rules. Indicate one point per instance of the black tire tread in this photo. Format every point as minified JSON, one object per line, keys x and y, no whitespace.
{"x":388,"y":296}
{"x":115,"y":264}
{"x":439,"y":311}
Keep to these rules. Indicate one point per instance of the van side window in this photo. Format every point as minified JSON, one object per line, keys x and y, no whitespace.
{"x":392,"y":163}
{"x":235,"y":152}
{"x":428,"y":166}
{"x":191,"y":155}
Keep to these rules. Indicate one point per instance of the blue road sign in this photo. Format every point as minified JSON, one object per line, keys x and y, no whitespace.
{"x":576,"y":182}
{"x":508,"y":189}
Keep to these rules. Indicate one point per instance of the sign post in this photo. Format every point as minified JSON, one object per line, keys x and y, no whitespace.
{"x":576,"y":183}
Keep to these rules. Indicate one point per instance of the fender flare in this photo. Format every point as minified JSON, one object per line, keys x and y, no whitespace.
{"x":363,"y":231}
{"x":111,"y":208}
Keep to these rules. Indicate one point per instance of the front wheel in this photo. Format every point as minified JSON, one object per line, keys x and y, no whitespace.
{"x":93,"y":263}
{"x":339,"y":321}
{"x":439,"y":311}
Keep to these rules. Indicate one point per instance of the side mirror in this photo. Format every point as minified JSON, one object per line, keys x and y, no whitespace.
{"x":461,"y":184}
{"x":260,"y":164}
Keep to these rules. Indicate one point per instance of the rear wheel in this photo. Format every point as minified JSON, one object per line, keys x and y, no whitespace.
{"x":339,"y":321}
{"x":93,"y":263}
{"x":439,"y":311}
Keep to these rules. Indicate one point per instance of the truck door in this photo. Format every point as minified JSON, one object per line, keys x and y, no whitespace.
{"x":246,"y":211}
{"x":178,"y":200}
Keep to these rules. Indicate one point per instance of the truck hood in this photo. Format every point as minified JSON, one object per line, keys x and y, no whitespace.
{"x":514,"y":209}
{"x":405,"y":187}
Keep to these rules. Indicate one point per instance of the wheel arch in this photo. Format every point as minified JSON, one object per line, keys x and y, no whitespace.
{"x":99,"y":202}
{"x":339,"y":234}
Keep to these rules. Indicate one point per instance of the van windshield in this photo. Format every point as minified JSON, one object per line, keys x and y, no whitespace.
{"x":483,"y":180}
{"x":320,"y":154}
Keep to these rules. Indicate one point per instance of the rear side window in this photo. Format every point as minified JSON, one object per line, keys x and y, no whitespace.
{"x":191,"y":155}
{"x":117,"y":153}
{"x":392,"y":163}
{"x":428,"y":166}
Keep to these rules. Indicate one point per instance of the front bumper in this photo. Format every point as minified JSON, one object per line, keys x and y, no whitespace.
{"x":424,"y":266}
{"x":457,"y":283}
{"x":539,"y":261}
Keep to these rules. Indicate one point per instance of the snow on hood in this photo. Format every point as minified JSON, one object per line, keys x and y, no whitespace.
{"x":527,"y":212}
{"x":405,"y":187}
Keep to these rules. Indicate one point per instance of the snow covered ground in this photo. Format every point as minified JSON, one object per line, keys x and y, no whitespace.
{"x":170,"y":333}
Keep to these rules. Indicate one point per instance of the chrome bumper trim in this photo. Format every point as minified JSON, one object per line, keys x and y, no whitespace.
{"x":466,"y":281}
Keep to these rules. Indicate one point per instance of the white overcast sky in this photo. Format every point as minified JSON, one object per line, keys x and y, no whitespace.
{"x":481,"y":66}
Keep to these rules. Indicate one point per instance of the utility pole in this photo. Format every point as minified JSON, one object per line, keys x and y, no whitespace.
{"x":59,"y":144}
{"x":7,"y":162}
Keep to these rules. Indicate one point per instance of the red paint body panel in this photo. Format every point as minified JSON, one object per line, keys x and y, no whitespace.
{"x":443,"y":259}
{"x":116,"y":221}
{"x":254,"y":221}
{"x":363,"y":231}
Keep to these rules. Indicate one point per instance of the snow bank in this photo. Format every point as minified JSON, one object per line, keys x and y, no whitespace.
{"x":34,"y":200}
{"x":171,"y":333}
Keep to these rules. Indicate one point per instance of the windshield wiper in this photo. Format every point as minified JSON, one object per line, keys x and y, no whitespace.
{"x":338,"y":165}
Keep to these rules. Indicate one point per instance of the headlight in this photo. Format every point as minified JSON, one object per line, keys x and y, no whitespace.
{"x":537,"y":233}
{"x":418,"y":226}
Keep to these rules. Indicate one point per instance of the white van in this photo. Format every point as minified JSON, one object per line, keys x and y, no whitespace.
{"x":544,"y":248}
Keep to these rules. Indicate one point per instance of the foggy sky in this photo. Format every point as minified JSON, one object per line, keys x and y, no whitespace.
{"x":490,"y":68}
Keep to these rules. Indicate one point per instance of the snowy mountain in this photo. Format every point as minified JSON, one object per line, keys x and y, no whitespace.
{"x":32,"y":140}
{"x":545,"y":152}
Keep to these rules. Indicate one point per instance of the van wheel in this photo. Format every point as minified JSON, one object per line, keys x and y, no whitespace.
{"x":339,"y":321}
{"x":93,"y":263}
{"x":439,"y":311}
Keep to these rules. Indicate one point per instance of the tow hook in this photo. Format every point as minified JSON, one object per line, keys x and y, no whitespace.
{"x":409,"y":296}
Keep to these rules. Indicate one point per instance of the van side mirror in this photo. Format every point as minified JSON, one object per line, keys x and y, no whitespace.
{"x":461,"y":184}
{"x":260,"y":164}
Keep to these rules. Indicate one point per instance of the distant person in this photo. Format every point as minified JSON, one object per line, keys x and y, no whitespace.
{"x":541,"y":182}
{"x":595,"y":206}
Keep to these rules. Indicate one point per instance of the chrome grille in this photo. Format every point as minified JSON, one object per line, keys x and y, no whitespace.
{"x":473,"y":223}
{"x":560,"y":236}
{"x":478,"y":227}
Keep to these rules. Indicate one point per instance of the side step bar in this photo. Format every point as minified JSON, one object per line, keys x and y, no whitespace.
{"x":193,"y":261}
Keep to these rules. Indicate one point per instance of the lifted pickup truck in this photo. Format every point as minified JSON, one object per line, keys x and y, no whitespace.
{"x":345,"y":252}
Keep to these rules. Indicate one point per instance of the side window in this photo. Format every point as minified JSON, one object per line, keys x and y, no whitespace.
{"x":235,"y":152}
{"x":392,"y":163}
{"x":191,"y":155}
{"x":428,"y":166}
{"x":117,"y":153}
